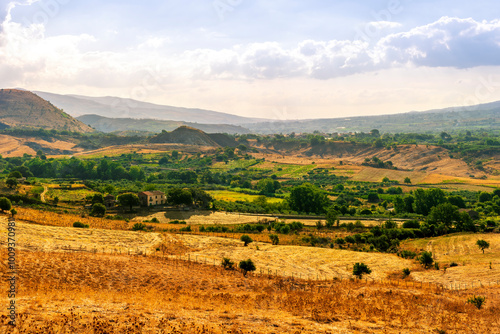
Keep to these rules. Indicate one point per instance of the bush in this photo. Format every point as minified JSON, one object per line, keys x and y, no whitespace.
{"x":406,"y":272}
{"x":80,"y":225}
{"x":246,"y":239}
{"x":411,"y":224}
{"x":274,"y":239}
{"x":186,"y":229}
{"x":227,"y":264}
{"x":139,"y":227}
{"x":453,"y":264}
{"x":5,"y":204}
{"x":98,"y":210}
{"x":246,"y":266}
{"x":426,"y":259}
{"x":360,"y":269}
{"x":477,"y":301}
{"x":177,"y":222}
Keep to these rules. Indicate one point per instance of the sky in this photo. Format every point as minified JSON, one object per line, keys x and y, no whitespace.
{"x":279,"y":59}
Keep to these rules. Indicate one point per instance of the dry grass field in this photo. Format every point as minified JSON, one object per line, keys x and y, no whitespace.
{"x":16,"y":147}
{"x":71,"y":291}
{"x":96,"y":293}
{"x":473,"y":265}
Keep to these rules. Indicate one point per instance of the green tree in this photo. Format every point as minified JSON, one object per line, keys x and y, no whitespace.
{"x":97,"y":198}
{"x":483,"y":244}
{"x":331,"y":216}
{"x":307,"y":198}
{"x":5,"y":204}
{"x":179,"y":196}
{"x":11,"y":182}
{"x":425,"y":200}
{"x":137,"y":174}
{"x":360,"y":269}
{"x":246,"y":266}
{"x":15,"y":174}
{"x":445,"y":213}
{"x":268,"y":186}
{"x":426,"y":259}
{"x":246,"y":239}
{"x":407,"y":180}
{"x":98,"y":210}
{"x":129,"y":200}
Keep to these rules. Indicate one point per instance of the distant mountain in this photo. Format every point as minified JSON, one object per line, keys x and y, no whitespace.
{"x":484,"y":116}
{"x":184,"y":135}
{"x":20,"y":108}
{"x":105,"y":124}
{"x":114,"y":107}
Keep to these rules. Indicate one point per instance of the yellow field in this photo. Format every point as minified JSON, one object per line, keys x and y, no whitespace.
{"x":473,"y":265}
{"x":287,"y":260}
{"x":58,"y":239}
{"x":232,"y":196}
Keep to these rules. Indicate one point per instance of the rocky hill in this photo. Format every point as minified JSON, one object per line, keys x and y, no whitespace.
{"x":23,"y":109}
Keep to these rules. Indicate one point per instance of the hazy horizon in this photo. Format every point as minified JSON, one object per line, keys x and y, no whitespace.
{"x":279,"y":60}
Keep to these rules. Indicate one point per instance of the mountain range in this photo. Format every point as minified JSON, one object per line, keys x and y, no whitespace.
{"x":112,"y":114}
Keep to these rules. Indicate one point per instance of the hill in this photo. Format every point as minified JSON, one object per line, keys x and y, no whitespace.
{"x":486,"y":116}
{"x":115,"y":107}
{"x":24,"y":109}
{"x":105,"y":124}
{"x":184,"y":135}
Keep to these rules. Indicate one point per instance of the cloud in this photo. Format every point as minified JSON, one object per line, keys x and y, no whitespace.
{"x":448,"y":42}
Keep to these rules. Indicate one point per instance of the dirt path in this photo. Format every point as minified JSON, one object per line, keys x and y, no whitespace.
{"x":42,"y":195}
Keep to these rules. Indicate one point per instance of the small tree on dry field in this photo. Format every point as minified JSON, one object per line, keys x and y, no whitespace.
{"x":246,"y":239}
{"x":246,"y":266}
{"x":360,"y":269}
{"x":483,"y":244}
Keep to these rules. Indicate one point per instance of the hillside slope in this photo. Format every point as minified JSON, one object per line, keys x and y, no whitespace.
{"x":27,"y":110}
{"x":115,"y":107}
{"x":105,"y":124}
{"x":184,"y":135}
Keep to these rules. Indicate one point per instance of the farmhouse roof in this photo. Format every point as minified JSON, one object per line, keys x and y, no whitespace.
{"x":153,"y":193}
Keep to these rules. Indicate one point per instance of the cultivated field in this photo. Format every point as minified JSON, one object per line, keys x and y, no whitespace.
{"x":233,"y":196}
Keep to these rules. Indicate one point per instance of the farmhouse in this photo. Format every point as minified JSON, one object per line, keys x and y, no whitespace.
{"x":152,"y":198}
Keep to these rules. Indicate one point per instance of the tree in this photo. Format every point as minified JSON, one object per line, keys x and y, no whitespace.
{"x":227,"y":263}
{"x":373,"y":198}
{"x":5,"y":204}
{"x":307,"y":198}
{"x":98,"y":210}
{"x":15,"y":174}
{"x":274,"y":239}
{"x":11,"y":182}
{"x":331,"y":216}
{"x":246,"y":239}
{"x":407,"y":180}
{"x":483,"y":244}
{"x":128,"y":200}
{"x":268,"y":186}
{"x":426,"y":259}
{"x":97,"y":198}
{"x":179,"y":196}
{"x":425,"y":200}
{"x":360,"y":269}
{"x":246,"y":266}
{"x":445,"y":213}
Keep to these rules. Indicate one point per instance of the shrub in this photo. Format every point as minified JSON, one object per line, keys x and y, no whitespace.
{"x":411,"y":224}
{"x":477,"y":301}
{"x":482,"y":244}
{"x":406,"y":272}
{"x":139,"y":227}
{"x":98,"y":210}
{"x":80,"y":225}
{"x":453,"y":264}
{"x":406,"y":254}
{"x":154,"y":220}
{"x":246,"y":266}
{"x":426,"y":259}
{"x":274,"y":239}
{"x":360,"y":269}
{"x":5,"y":204}
{"x":186,"y":229}
{"x":227,"y":264}
{"x":246,"y":239}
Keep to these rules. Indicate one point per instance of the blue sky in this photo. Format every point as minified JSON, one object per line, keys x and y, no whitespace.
{"x":278,"y":59}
